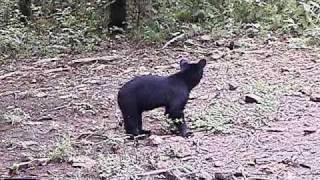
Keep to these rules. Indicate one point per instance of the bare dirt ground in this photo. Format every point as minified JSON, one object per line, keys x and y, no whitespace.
{"x":59,"y":117}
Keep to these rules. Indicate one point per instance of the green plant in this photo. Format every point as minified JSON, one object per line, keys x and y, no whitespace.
{"x":63,"y":150}
{"x":14,"y":116}
{"x":76,"y":26}
{"x":217,"y":117}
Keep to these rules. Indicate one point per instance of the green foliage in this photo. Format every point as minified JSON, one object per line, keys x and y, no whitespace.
{"x":58,"y":26}
{"x":216,"y":118}
{"x":312,"y":37}
{"x":285,"y":16}
{"x":55,"y":28}
{"x":63,"y":150}
{"x":14,"y":116}
{"x":225,"y":112}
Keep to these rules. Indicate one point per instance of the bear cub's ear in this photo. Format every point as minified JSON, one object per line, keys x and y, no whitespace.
{"x":183,"y":63}
{"x":202,"y":63}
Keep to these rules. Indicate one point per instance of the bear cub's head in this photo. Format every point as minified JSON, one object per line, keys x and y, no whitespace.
{"x":192,"y":72}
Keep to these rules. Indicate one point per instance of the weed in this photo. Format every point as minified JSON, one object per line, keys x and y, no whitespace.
{"x":117,"y":166}
{"x":216,"y":118}
{"x":63,"y":150}
{"x":14,"y":116}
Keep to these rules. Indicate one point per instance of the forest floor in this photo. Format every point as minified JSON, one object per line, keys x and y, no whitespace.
{"x":59,"y":116}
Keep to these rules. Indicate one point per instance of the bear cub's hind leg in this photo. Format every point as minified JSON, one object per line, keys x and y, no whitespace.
{"x":133,"y":125}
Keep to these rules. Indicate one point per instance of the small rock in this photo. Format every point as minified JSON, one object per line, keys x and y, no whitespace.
{"x":176,"y":138}
{"x":205,"y":38}
{"x":275,"y":129}
{"x":47,"y":60}
{"x":223,"y":176}
{"x":309,"y":131}
{"x":305,"y":91}
{"x":217,"y":55}
{"x":45,"y":118}
{"x":231,"y":45}
{"x":163,"y":164}
{"x":33,"y":81}
{"x":100,"y":67}
{"x":155,"y":140}
{"x":251,"y":163}
{"x":283,"y":69}
{"x":252,"y":98}
{"x":290,"y":176}
{"x":190,"y":42}
{"x":73,"y":96}
{"x":252,"y":32}
{"x":23,"y":95}
{"x":315,"y":97}
{"x":183,"y":153}
{"x":204,"y":175}
{"x":268,"y":55}
{"x":82,"y":162}
{"x":94,"y":81}
{"x":233,"y":86}
{"x":111,"y":96}
{"x":219,"y":43}
{"x":115,"y":148}
{"x":25,"y":144}
{"x":218,"y":164}
{"x":41,"y":95}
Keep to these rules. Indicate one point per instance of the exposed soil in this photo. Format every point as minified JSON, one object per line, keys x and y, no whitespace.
{"x":278,"y":137}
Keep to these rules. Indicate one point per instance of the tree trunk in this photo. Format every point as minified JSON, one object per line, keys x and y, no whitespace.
{"x":118,"y":13}
{"x":25,"y":9}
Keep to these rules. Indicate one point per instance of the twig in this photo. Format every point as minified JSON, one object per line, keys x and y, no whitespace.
{"x":172,"y":175}
{"x":173,"y":40}
{"x":10,"y":74}
{"x":102,"y":60}
{"x":8,"y":93}
{"x":55,"y":70}
{"x":18,"y":178}
{"x":243,"y":174}
{"x":158,"y":171}
{"x":24,"y":165}
{"x":88,"y":135}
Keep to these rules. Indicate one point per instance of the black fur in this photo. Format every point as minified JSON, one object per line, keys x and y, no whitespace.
{"x":149,"y":92}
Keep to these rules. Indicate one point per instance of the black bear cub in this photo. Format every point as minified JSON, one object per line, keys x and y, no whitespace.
{"x":150,"y":91}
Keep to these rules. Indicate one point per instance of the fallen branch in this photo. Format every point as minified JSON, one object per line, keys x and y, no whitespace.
{"x":173,"y":40}
{"x":274,"y":129}
{"x":56,"y":70}
{"x":8,"y":93}
{"x":19,"y":178}
{"x":24,"y":165}
{"x":158,"y":171}
{"x":92,"y":135}
{"x":10,"y":74}
{"x":102,"y":60}
{"x":47,"y":60}
{"x":173,"y":174}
